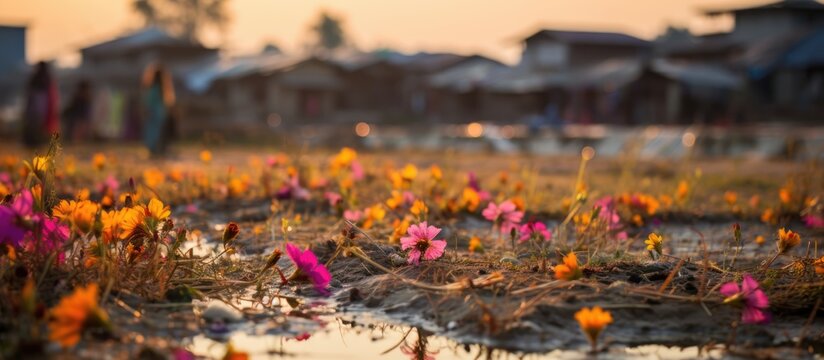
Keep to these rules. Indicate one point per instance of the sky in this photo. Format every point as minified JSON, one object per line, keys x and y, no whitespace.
{"x":489,"y":27}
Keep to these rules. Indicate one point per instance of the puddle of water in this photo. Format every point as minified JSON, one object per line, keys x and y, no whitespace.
{"x":339,"y":339}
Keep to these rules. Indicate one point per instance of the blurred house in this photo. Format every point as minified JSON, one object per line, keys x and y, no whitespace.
{"x":778,"y":48}
{"x":12,"y":61}
{"x":114,"y":69}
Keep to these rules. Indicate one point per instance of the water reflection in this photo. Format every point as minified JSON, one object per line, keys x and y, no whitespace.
{"x":337,"y":338}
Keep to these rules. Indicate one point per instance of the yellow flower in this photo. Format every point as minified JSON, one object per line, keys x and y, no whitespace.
{"x":569,"y":270}
{"x":79,"y":214}
{"x":436,"y":173}
{"x":99,"y":161}
{"x":73,"y":314}
{"x":592,"y":322}
{"x":157,"y":211}
{"x":40,"y":163}
{"x":655,"y":243}
{"x":787,"y":239}
{"x":399,"y":230}
{"x":120,"y":224}
{"x":395,"y":201}
{"x":206,"y":156}
{"x":419,"y":209}
{"x":374,"y":214}
{"x":342,"y":160}
{"x":409,"y":172}
{"x":470,"y":199}
{"x":475,"y":245}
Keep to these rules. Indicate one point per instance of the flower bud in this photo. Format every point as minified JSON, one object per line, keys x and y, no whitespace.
{"x":230,"y":233}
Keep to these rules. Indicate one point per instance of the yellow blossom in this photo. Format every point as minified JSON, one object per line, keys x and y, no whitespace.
{"x":436,"y":173}
{"x":419,"y":209}
{"x":153,"y":177}
{"x":592,"y":322}
{"x":470,"y":199}
{"x":655,"y":243}
{"x":157,"y":211}
{"x":409,"y":172}
{"x":787,"y":239}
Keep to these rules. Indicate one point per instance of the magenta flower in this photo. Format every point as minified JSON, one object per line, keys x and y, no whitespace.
{"x":10,"y":232}
{"x":751,"y":297}
{"x":534,"y":229}
{"x":506,"y":215}
{"x":13,"y":217}
{"x":421,"y":243}
{"x":307,"y":266}
{"x":813,"y":221}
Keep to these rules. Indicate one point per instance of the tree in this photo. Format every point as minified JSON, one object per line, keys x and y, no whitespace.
{"x":184,"y":18}
{"x":329,"y":32}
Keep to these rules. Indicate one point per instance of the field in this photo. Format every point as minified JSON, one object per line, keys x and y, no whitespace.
{"x":235,"y":251}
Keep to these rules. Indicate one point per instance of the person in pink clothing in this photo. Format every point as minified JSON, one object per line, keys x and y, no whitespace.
{"x":41,"y":112}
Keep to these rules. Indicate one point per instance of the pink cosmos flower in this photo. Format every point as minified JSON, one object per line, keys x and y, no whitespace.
{"x":307,"y":266}
{"x":292,"y":190}
{"x":751,"y":297}
{"x":472,"y":182}
{"x":535,"y":229}
{"x":110,"y":185}
{"x":12,"y":230}
{"x":353,"y":215}
{"x":813,"y":221}
{"x":421,"y":243}
{"x":357,"y":170}
{"x":505,"y":214}
{"x":333,"y":198}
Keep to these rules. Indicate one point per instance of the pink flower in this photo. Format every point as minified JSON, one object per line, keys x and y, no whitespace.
{"x":353,"y":215}
{"x":813,"y":221}
{"x":12,"y":217}
{"x":534,"y":229}
{"x":421,"y":243}
{"x":292,"y":190}
{"x":751,"y":297}
{"x":333,"y":198}
{"x":505,"y":214}
{"x":308,"y":266}
{"x":357,"y":170}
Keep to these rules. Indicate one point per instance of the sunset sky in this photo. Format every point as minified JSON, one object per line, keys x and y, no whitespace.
{"x":57,"y":27}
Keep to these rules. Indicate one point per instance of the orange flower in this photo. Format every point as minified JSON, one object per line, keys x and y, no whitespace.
{"x":592,"y":322}
{"x":157,"y":211}
{"x":400,"y":227}
{"x":683,"y":190}
{"x":786,"y":195}
{"x":99,"y":161}
{"x":470,"y":199}
{"x":436,"y":173}
{"x":768,"y":216}
{"x":206,"y":156}
{"x":79,"y":214}
{"x":153,"y":177}
{"x":475,"y":245}
{"x":74,"y":313}
{"x":419,"y":209}
{"x":787,"y":239}
{"x":731,"y":197}
{"x":409,"y":172}
{"x":819,"y":266}
{"x":569,"y":270}
{"x":120,"y":224}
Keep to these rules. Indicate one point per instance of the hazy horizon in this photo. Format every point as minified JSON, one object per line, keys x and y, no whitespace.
{"x":57,"y":28}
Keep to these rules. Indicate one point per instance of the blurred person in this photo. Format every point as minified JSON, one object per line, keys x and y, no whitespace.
{"x":158,"y":106}
{"x":77,"y":115}
{"x":41,"y":113}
